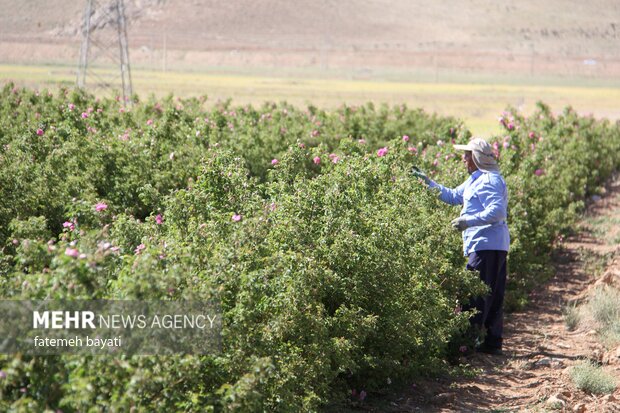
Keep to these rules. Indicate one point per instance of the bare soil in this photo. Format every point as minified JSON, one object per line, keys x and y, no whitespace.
{"x":529,"y":37}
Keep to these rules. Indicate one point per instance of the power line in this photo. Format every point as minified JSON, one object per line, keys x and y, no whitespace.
{"x":104,"y":40}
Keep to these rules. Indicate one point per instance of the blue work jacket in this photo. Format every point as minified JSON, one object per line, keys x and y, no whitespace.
{"x":484,"y":197}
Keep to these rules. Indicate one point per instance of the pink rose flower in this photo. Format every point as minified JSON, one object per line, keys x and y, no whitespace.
{"x":316,"y":160}
{"x":405,"y":138}
{"x":139,"y":249}
{"x":274,"y":161}
{"x":84,"y":115}
{"x":539,"y":172}
{"x":382,"y":152}
{"x":72,"y":252}
{"x":236,"y":217}
{"x":101,"y":206}
{"x":159,"y":219}
{"x":40,"y":132}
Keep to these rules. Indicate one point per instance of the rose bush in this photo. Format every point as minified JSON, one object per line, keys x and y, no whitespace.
{"x":335,"y":269}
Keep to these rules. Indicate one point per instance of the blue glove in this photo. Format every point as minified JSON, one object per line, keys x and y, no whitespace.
{"x":459,"y":224}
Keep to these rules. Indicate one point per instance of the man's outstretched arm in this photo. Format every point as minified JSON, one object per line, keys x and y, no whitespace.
{"x":448,"y":195}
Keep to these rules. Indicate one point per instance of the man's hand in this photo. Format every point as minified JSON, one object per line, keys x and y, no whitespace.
{"x":459,"y":224}
{"x":415,"y":171}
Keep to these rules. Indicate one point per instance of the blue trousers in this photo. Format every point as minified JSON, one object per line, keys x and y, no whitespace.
{"x":491,"y":265}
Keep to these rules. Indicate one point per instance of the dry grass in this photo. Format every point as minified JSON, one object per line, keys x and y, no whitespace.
{"x":602,"y":228}
{"x":572,"y":316}
{"x":595,"y":263}
{"x":600,"y":312}
{"x":591,"y":378}
{"x":478,"y":104}
{"x":604,"y":305}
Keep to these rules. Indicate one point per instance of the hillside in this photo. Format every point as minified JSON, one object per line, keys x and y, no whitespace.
{"x":566,"y":37}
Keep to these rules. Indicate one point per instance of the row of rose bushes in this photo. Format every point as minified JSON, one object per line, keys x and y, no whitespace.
{"x":57,"y":146}
{"x":336,"y":270}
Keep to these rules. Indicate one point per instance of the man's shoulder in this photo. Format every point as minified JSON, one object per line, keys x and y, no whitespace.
{"x":493,"y":178}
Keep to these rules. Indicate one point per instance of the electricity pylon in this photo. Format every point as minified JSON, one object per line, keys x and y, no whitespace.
{"x":104,"y":41}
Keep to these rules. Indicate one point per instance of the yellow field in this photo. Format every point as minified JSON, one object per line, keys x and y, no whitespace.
{"x":479,"y":104}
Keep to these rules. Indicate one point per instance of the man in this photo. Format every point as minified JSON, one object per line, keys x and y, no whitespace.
{"x":484,"y":197}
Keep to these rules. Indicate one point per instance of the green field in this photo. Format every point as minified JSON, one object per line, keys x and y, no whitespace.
{"x":478,"y":100}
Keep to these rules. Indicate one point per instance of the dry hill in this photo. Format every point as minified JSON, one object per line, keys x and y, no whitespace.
{"x":565,"y":37}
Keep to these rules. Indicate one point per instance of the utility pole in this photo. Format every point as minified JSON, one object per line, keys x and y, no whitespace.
{"x":104,"y":28}
{"x":165,"y":55}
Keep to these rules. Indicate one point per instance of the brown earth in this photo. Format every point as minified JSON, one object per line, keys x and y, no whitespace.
{"x":529,"y":37}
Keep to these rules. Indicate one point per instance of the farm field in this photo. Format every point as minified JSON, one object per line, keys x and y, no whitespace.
{"x":477,"y":99}
{"x":272,"y":172}
{"x":305,"y":223}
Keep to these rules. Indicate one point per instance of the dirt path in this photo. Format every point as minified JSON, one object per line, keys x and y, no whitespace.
{"x":539,"y":349}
